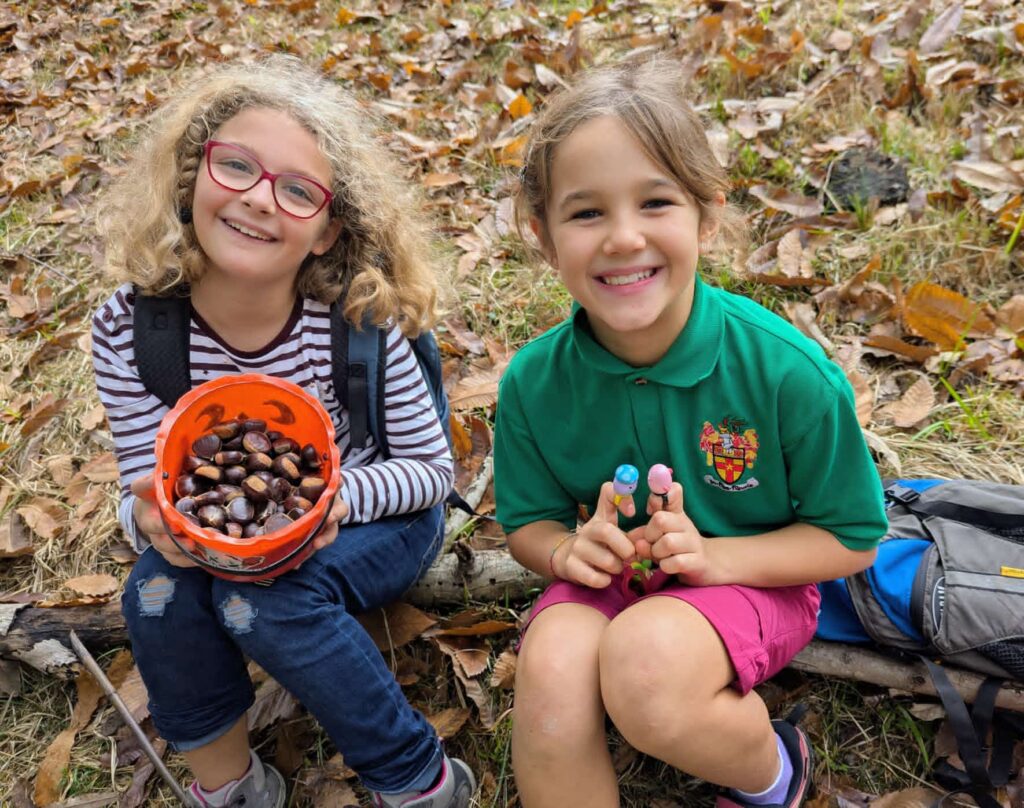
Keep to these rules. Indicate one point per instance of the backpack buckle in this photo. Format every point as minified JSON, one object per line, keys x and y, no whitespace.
{"x":903,"y":494}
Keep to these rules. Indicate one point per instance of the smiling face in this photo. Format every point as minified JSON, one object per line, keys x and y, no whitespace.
{"x":623,"y":235}
{"x":244,"y":235}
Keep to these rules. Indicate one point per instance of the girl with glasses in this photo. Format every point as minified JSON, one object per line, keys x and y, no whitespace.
{"x":261,"y":195}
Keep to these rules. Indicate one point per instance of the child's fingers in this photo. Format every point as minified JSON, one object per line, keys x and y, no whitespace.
{"x":144,"y":487}
{"x":606,"y":510}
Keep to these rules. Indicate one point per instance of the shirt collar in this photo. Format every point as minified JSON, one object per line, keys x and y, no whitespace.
{"x":691,"y":358}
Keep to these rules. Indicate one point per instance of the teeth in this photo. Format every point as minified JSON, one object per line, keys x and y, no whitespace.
{"x":247,"y":232}
{"x":622,"y":280}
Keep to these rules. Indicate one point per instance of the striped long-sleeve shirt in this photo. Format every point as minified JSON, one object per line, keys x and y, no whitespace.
{"x":417,"y":475}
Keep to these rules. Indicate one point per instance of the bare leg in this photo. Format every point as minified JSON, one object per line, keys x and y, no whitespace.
{"x":223,"y":759}
{"x":559,"y":750}
{"x":665,"y":681}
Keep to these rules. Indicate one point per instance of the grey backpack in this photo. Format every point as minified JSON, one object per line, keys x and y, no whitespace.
{"x":949,"y":580}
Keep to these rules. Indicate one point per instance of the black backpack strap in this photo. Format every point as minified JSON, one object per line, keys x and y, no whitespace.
{"x":357,"y":369}
{"x":970,"y":728}
{"x":911,"y":500}
{"x":160,"y":336}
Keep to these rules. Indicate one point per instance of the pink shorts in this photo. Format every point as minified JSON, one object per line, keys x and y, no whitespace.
{"x":762,"y":629}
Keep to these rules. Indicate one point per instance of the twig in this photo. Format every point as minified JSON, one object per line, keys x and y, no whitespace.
{"x":126,"y":714}
{"x":458,"y":519}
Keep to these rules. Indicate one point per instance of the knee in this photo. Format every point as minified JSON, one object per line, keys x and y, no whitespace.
{"x":646,"y":684}
{"x":557,"y":695}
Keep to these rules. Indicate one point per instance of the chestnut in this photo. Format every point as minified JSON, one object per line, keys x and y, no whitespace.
{"x":258,"y":461}
{"x":256,"y":488}
{"x":254,"y":425}
{"x":233,"y":475}
{"x":276,"y":522}
{"x":210,"y":473}
{"x":256,"y":442}
{"x":312,"y":487}
{"x":233,"y":529}
{"x":227,"y":430}
{"x":186,"y":485}
{"x":228,"y":458}
{"x":206,"y":445}
{"x":212,"y":516}
{"x":287,"y":465}
{"x":185,"y":505}
{"x":285,"y":446}
{"x":280,"y":489}
{"x":240,"y":510}
{"x":213,"y":497}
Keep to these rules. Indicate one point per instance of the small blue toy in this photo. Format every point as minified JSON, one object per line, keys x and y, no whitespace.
{"x":625,"y":481}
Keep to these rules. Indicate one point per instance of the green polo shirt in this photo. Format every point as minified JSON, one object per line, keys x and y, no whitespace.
{"x":756,"y":422}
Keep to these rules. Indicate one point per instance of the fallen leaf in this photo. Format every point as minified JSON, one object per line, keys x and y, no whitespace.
{"x":520,"y":107}
{"x":863,"y":396}
{"x":41,"y":414}
{"x":913,"y":406}
{"x":1011,"y":315}
{"x":58,"y":754}
{"x":943,"y":316}
{"x":93,"y":585}
{"x":449,"y":721}
{"x":477,"y":390}
{"x":273,"y":703}
{"x":793,"y":260}
{"x":101,"y":469}
{"x":476,"y":630}
{"x":786,"y":201}
{"x":46,"y":517}
{"x":503,"y":675}
{"x":14,"y":538}
{"x":989,"y":175}
{"x":908,"y":798}
{"x":395,"y":625}
{"x":941,"y":29}
{"x":462,"y":443}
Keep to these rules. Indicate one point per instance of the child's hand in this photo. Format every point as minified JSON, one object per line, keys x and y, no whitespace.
{"x":327,"y":535}
{"x":598,"y":550}
{"x":672,"y":540}
{"x":147,"y":517}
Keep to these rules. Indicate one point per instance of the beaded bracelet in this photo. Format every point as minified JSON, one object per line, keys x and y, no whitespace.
{"x":558,"y":544}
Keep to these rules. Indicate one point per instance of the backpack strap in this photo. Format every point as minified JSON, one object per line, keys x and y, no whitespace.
{"x":983,"y":518}
{"x":160,"y":336}
{"x":357,"y":369}
{"x":970,"y":728}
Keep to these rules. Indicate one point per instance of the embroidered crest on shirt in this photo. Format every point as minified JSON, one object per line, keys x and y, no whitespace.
{"x":731,"y":450}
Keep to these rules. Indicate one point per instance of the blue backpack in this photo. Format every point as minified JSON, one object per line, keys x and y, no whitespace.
{"x":947,"y":587}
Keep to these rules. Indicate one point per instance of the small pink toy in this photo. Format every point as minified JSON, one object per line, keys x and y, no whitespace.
{"x":659,"y":481}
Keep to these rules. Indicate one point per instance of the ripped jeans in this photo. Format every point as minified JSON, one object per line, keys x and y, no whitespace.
{"x":190,"y":630}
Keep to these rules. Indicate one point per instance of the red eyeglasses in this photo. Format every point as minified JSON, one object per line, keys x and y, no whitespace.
{"x":232,"y":167}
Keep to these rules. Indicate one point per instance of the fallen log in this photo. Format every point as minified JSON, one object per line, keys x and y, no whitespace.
{"x":865,"y":665}
{"x":38,"y":636}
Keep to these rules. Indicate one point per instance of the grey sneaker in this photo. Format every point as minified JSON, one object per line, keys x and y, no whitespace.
{"x":262,"y":787}
{"x":455,"y":789}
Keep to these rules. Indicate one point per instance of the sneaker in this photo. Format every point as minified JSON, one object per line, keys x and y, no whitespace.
{"x":261,"y":787}
{"x":802,"y":757}
{"x":454,"y":790}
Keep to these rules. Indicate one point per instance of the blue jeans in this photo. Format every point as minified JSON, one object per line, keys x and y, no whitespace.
{"x":190,"y":632}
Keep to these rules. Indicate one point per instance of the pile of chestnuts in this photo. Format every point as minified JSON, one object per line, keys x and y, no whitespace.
{"x":245,"y":481}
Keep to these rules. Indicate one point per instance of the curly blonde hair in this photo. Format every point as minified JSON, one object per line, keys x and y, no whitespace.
{"x":383,"y":261}
{"x":650,"y":97}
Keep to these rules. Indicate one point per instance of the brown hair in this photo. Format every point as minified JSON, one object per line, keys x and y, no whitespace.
{"x":650,"y":98}
{"x":383,"y":260}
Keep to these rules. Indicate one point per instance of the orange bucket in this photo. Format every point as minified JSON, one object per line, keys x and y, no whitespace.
{"x":286,"y":408}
